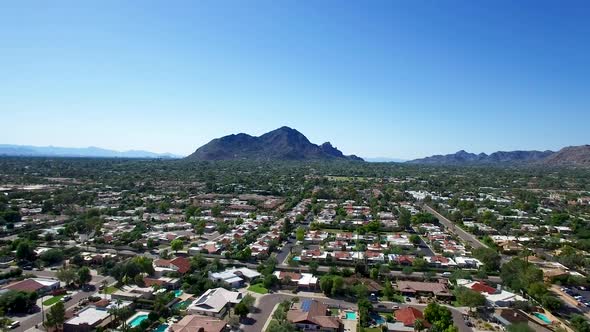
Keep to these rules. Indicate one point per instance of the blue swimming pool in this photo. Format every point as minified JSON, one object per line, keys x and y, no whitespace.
{"x":178,"y":292}
{"x":182,"y":305}
{"x":161,"y":328}
{"x":377,"y":318}
{"x":351,"y":315}
{"x":137,"y":320}
{"x":542,"y":317}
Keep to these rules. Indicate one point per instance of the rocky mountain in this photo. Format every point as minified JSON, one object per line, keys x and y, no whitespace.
{"x":570,"y":156}
{"x":54,"y":151}
{"x":501,"y":157}
{"x":281,"y":144}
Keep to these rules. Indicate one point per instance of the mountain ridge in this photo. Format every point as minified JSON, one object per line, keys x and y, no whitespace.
{"x":283,"y":143}
{"x":91,"y":151}
{"x":568,"y":156}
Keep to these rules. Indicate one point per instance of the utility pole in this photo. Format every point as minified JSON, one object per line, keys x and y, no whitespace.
{"x":42,"y":311}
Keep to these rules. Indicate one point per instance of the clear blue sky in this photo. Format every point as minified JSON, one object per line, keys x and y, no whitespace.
{"x":376,"y":78}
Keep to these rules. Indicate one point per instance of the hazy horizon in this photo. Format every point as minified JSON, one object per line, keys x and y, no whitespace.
{"x":380,"y":79}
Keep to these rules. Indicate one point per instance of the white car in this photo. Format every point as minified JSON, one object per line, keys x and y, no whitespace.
{"x":14,"y":325}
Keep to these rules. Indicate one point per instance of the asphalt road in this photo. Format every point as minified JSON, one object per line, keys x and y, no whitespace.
{"x":465,"y":236}
{"x":425,"y":248}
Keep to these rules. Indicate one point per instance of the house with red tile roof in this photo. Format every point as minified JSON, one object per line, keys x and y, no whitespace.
{"x":179,"y":264}
{"x":34,"y":285}
{"x":405,"y":260}
{"x":312,"y":315}
{"x":416,"y":288}
{"x":192,"y":323}
{"x":405,"y":320}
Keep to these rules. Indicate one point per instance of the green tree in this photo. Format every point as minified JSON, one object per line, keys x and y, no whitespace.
{"x":313,"y":267}
{"x":489,"y":257}
{"x":25,"y":250}
{"x":551,"y":302}
{"x":84,"y":275}
{"x":518,"y":274}
{"x":579,"y":323}
{"x":245,"y":254}
{"x":364,"y":307}
{"x":419,"y":264}
{"x":415,"y":239}
{"x":388,"y":291}
{"x":337,"y":284}
{"x":52,"y":256}
{"x":469,"y":298}
{"x":56,"y":315}
{"x":374,"y":273}
{"x":439,"y":316}
{"x":300,"y":233}
{"x":241,"y":310}
{"x":66,"y":275}
{"x":248,"y":301}
{"x":419,"y":325}
{"x":405,"y":218}
{"x":176,"y":245}
{"x":326,"y":284}
{"x":216,"y":211}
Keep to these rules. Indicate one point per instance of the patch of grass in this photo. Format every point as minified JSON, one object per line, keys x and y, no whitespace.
{"x":53,"y":300}
{"x":111,"y":290}
{"x":258,"y":288}
{"x":334,"y":311}
{"x":372,"y":329}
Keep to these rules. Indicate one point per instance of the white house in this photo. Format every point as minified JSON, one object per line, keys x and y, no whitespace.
{"x":214,"y":302}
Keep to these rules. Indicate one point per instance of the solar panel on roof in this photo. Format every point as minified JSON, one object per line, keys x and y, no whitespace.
{"x":306,"y":305}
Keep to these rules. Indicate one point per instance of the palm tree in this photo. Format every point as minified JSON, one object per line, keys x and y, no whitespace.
{"x":104,"y":284}
{"x":418,"y":325}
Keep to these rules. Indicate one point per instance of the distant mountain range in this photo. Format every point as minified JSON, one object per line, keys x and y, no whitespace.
{"x":384,"y":160}
{"x":568,"y":156}
{"x":53,"y":151}
{"x":281,"y":144}
{"x":289,"y":144}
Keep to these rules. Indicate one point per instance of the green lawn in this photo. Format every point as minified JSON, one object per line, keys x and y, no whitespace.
{"x":111,"y":289}
{"x":53,"y":300}
{"x":372,"y":329}
{"x":258,"y":288}
{"x":334,"y":311}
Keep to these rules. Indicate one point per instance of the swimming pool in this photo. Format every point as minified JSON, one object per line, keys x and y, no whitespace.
{"x":178,"y":292}
{"x":161,"y":328}
{"x":137,"y":320}
{"x":542,"y":317}
{"x":377,"y":318}
{"x":182,"y":305}
{"x":297,"y":258}
{"x":351,"y":315}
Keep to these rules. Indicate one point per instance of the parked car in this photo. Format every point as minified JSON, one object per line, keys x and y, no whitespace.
{"x":14,"y":325}
{"x":59,"y":291}
{"x":88,"y":288}
{"x":66,"y":298}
